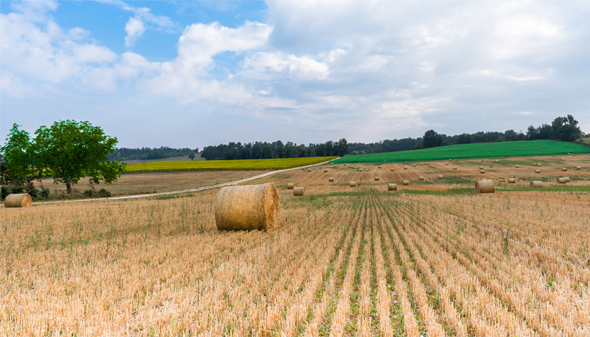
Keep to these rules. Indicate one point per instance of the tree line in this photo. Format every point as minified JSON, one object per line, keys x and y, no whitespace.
{"x":143,"y":153}
{"x":278,"y":149}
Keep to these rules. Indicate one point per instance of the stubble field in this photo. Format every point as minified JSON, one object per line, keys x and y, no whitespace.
{"x":342,"y":261}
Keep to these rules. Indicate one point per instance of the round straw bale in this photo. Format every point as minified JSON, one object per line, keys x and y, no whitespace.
{"x":392,"y":187}
{"x":421,"y":163}
{"x":290,"y":186}
{"x":481,"y":167}
{"x":376,"y":178}
{"x":405,"y":167}
{"x":331,"y":179}
{"x":511,"y":180}
{"x":405,"y":182}
{"x":446,"y":163}
{"x":517,"y":166}
{"x":440,"y":176}
{"x":569,"y":153}
{"x":454,"y":168}
{"x":578,"y":167}
{"x":308,"y":170}
{"x":537,"y":171}
{"x":564,"y":169}
{"x":414,"y":165}
{"x":18,"y":200}
{"x":353,"y":184}
{"x":539,"y":164}
{"x":482,"y":160}
{"x":378,"y":167}
{"x":567,"y":179}
{"x":497,"y":160}
{"x":536,"y":184}
{"x":247,"y":207}
{"x":421,"y":177}
{"x":360,"y":170}
{"x":561,"y":181}
{"x":325,"y":170}
{"x":392,"y":169}
{"x":298,"y":191}
{"x":482,"y":171}
{"x":485,"y":186}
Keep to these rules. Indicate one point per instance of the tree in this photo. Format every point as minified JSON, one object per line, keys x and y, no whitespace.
{"x":266,"y":152}
{"x":256,"y":151}
{"x":191,"y":156}
{"x":70,"y":150}
{"x":432,"y":139}
{"x":289,"y":150}
{"x":464,"y":138}
{"x":342,"y":147}
{"x":17,"y":157}
{"x":280,"y":151}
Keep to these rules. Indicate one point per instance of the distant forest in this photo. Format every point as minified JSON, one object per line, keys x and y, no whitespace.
{"x":562,"y":128}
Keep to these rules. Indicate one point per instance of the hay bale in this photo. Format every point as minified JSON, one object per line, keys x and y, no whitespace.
{"x":392,"y":169}
{"x":405,"y":182}
{"x":539,"y":164}
{"x":421,"y":177}
{"x":567,"y":179}
{"x":454,"y":168}
{"x":247,"y":207}
{"x":446,"y":163}
{"x":325,"y":170}
{"x":536,"y":184}
{"x":421,"y":163}
{"x":392,"y":187}
{"x":481,"y":167}
{"x":331,"y":179}
{"x":360,"y":170}
{"x":482,"y":160}
{"x":511,"y":180}
{"x":482,"y":171}
{"x":414,"y":165}
{"x":517,"y":166}
{"x":485,"y":186}
{"x":578,"y":167}
{"x":564,"y":169}
{"x":440,"y":176}
{"x":298,"y":191}
{"x":18,"y":200}
{"x":378,"y":167}
{"x":497,"y":160}
{"x":537,"y":171}
{"x":405,"y":167}
{"x":376,"y":178}
{"x":561,"y":181}
{"x":290,"y":186}
{"x":308,"y":170}
{"x":353,"y":184}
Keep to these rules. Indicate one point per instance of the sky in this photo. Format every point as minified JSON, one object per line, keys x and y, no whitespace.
{"x":197,"y":73}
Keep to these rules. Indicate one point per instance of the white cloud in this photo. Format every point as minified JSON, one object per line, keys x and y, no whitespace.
{"x":280,"y":65}
{"x":134,"y":28}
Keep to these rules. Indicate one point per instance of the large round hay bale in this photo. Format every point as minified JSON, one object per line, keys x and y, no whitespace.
{"x":421,"y":163}
{"x":308,"y":170}
{"x":299,"y":191}
{"x":539,"y":164}
{"x":481,"y":167}
{"x":421,"y":177}
{"x":353,"y":184}
{"x":405,"y":167}
{"x":18,"y":200}
{"x":440,"y":176}
{"x":446,"y":163}
{"x":567,"y":179}
{"x":405,"y":182}
{"x":517,"y":166}
{"x":360,"y":170}
{"x":331,"y":179}
{"x":482,"y":171}
{"x":536,"y":184}
{"x":414,"y":165}
{"x":392,"y":169}
{"x":290,"y":186}
{"x":564,"y":169}
{"x":561,"y":181}
{"x":497,"y":160}
{"x":454,"y":168}
{"x":392,"y":187}
{"x":511,"y":180}
{"x":485,"y":186}
{"x":481,"y":160}
{"x":325,"y":170}
{"x":378,"y":167}
{"x":247,"y":207}
{"x":578,"y":167}
{"x":537,"y":171}
{"x":376,"y":178}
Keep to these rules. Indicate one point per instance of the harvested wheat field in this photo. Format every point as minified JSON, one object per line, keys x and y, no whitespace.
{"x":340,"y":261}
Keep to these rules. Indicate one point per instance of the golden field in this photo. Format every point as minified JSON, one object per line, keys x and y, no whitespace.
{"x":342,"y":261}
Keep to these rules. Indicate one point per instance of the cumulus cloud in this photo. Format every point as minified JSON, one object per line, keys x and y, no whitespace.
{"x":134,"y":28}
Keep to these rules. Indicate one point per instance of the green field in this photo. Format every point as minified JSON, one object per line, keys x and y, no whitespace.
{"x":215,"y":165}
{"x":479,"y":150}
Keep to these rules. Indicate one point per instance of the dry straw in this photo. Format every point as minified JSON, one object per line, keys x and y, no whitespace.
{"x":331,"y":179}
{"x":247,"y":207}
{"x":454,"y":168}
{"x":298,"y":191}
{"x":392,"y":169}
{"x":578,"y":167}
{"x":353,"y":184}
{"x":567,"y":179}
{"x":18,"y":200}
{"x":290,"y":186}
{"x":517,"y":166}
{"x":511,"y":180}
{"x":376,"y":178}
{"x":485,"y":186}
{"x":537,"y":171}
{"x":325,"y":170}
{"x":392,"y":187}
{"x":536,"y":184}
{"x":564,"y":169}
{"x":440,"y":176}
{"x":446,"y":163}
{"x":405,"y":182}
{"x":360,"y":170}
{"x":561,"y":181}
{"x":405,"y":167}
{"x":481,"y":167}
{"x":421,"y":177}
{"x":414,"y":165}
{"x":482,"y":171}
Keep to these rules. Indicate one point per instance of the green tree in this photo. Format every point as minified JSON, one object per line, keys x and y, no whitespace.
{"x":256,"y":151}
{"x":191,"y":156}
{"x":289,"y":150}
{"x":342,"y":147}
{"x":432,"y":139}
{"x":70,"y":150}
{"x":266,"y":152}
{"x":280,"y":151}
{"x":17,"y":157}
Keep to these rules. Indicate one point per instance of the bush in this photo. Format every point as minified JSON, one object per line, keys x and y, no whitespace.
{"x":18,"y":189}
{"x":104,"y":193}
{"x":90,"y":193}
{"x":4,"y":192}
{"x":34,"y":193}
{"x":45,"y":193}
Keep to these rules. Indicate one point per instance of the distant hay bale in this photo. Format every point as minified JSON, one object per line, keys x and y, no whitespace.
{"x":454,"y":168}
{"x":421,"y":177}
{"x":567,"y":179}
{"x":378,"y":167}
{"x":421,"y":163}
{"x":497,"y":160}
{"x":481,"y":167}
{"x":511,"y":180}
{"x":561,"y":181}
{"x":537,"y":171}
{"x":414,"y":165}
{"x":308,"y":170}
{"x":539,"y":164}
{"x":536,"y":184}
{"x":360,"y":170}
{"x":331,"y":163}
{"x":440,"y":176}
{"x":564,"y":169}
{"x":447,"y":163}
{"x":482,"y":160}
{"x":376,"y":178}
{"x":491,"y":166}
{"x":331,"y":179}
{"x":517,"y":166}
{"x":392,"y":169}
{"x":485,"y":186}
{"x":578,"y":167}
{"x":325,"y":170}
{"x":405,"y":182}
{"x":405,"y":167}
{"x":290,"y":186}
{"x":482,"y":171}
{"x":18,"y":200}
{"x":392,"y":187}
{"x":353,"y":184}
{"x":247,"y":207}
{"x":298,"y":191}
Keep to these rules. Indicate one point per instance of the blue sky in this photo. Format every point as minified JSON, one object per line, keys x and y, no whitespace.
{"x":196,"y":73}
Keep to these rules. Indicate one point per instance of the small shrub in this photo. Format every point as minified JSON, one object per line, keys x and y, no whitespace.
{"x":44,"y":193}
{"x":34,"y":193}
{"x":18,"y":189}
{"x":89,"y":193}
{"x":4,"y":192}
{"x":104,"y":193}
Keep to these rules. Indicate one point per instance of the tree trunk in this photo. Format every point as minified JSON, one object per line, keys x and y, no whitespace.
{"x":69,"y":185}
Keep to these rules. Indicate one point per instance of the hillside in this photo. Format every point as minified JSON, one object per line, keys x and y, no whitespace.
{"x":479,"y":150}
